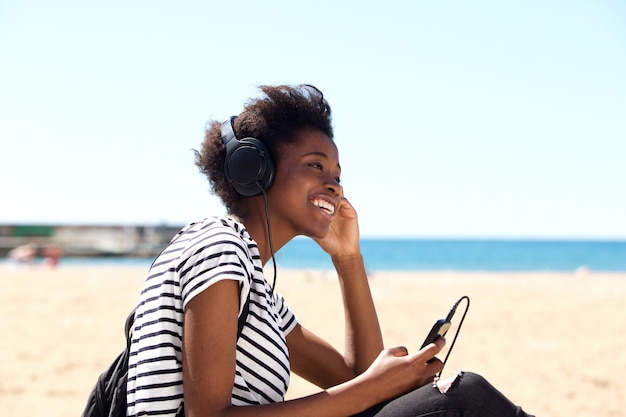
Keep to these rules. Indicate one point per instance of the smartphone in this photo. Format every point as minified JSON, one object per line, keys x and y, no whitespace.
{"x":440,"y":328}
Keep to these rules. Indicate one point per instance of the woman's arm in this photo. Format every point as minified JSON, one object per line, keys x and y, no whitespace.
{"x":209,"y":349}
{"x":363,"y":336}
{"x":318,"y":362}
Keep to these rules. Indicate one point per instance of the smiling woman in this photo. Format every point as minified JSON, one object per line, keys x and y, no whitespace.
{"x":276,"y":168}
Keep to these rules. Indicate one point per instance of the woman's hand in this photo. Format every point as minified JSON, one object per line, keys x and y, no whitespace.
{"x":343,"y":235}
{"x":395,"y":371}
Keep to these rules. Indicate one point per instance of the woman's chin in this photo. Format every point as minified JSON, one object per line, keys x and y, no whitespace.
{"x":317,"y":234}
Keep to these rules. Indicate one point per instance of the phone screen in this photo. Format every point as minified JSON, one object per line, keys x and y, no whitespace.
{"x":440,"y":328}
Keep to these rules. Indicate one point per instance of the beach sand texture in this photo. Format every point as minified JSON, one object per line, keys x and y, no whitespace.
{"x":554,"y":343}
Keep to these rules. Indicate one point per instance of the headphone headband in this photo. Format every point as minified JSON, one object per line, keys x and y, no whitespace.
{"x":228,"y":133}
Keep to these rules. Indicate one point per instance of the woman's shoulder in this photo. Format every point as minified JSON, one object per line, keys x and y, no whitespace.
{"x":214,"y":237}
{"x":224,"y":226}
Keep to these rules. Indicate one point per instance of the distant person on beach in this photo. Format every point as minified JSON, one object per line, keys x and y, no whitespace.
{"x":23,"y":254}
{"x":276,"y":168}
{"x":52,"y":255}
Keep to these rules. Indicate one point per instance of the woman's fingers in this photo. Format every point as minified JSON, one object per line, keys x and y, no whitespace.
{"x":398,"y":351}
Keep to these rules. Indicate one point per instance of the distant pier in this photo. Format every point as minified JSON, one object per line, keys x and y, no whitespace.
{"x":88,"y":240}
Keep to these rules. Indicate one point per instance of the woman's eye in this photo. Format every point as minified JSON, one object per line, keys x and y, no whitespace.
{"x":316,"y":165}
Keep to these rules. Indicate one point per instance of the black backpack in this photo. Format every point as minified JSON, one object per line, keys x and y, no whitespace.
{"x":108,"y":396}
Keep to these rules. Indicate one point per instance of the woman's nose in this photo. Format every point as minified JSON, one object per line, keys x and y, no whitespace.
{"x":334,"y":187}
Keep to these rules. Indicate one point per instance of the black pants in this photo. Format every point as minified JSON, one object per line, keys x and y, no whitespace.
{"x":470,"y":395}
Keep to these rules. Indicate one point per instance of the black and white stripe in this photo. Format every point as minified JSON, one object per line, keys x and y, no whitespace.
{"x":200,"y":255}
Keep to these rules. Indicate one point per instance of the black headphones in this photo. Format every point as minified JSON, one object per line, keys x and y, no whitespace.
{"x":249,"y":166}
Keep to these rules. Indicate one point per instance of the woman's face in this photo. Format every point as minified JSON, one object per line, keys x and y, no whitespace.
{"x":306,"y":188}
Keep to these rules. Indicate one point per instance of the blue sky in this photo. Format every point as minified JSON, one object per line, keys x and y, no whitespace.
{"x":453,"y":118}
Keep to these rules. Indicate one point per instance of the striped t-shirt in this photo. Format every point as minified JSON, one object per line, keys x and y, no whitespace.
{"x":201,"y":254}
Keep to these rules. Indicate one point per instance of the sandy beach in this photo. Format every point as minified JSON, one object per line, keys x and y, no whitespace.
{"x":553,"y":342}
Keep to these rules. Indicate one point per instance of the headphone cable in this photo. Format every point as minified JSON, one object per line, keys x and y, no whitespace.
{"x":269,"y":230}
{"x":449,"y":318}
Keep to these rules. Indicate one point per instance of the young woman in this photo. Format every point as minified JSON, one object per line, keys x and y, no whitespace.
{"x":213,"y":334}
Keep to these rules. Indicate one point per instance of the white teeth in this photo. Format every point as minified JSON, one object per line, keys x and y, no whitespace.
{"x":325,"y":205}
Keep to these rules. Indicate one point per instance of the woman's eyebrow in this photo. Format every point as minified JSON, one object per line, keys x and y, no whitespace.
{"x":317,"y":153}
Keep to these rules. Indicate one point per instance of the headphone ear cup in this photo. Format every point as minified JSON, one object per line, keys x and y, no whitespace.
{"x":249,"y":166}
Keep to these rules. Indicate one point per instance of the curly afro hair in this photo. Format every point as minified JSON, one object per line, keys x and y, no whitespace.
{"x":274,"y":119}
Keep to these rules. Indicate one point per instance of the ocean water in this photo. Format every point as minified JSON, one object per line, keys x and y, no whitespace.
{"x":467,"y":255}
{"x":439,"y":255}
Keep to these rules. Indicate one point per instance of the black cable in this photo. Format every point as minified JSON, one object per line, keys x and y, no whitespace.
{"x":448,"y":319}
{"x":269,"y":230}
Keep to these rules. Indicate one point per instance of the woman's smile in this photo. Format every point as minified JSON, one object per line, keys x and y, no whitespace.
{"x":326,"y":206}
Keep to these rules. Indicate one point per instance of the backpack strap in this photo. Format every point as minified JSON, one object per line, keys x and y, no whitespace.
{"x":128,"y":327}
